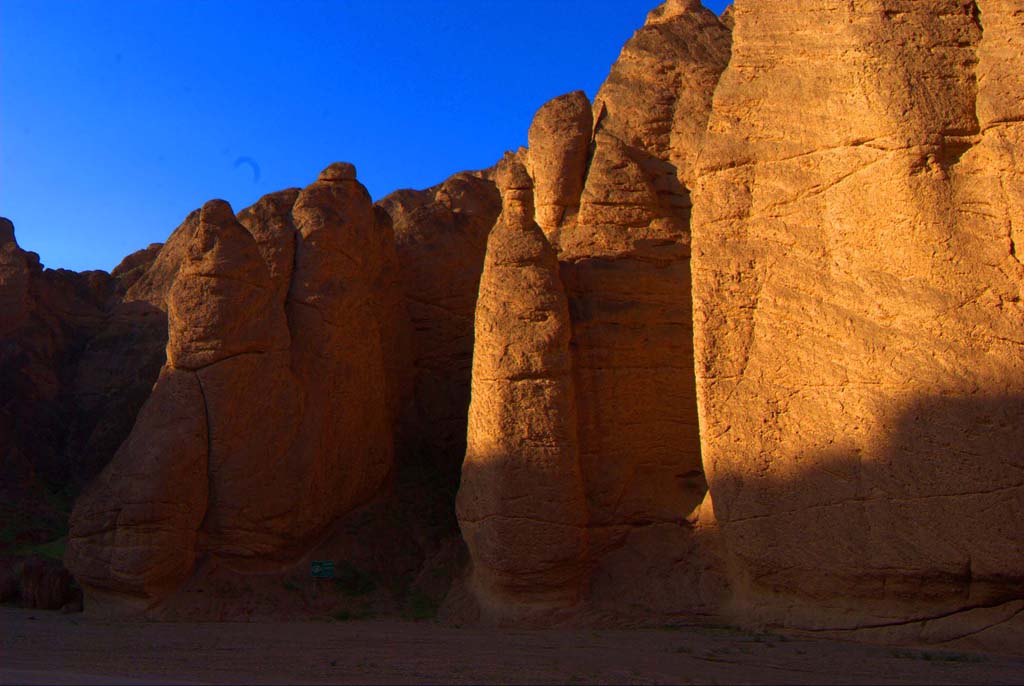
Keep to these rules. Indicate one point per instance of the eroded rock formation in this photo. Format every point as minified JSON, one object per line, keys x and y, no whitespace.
{"x":440,"y":239}
{"x":611,"y":198}
{"x":626,"y":268}
{"x":76,"y":363}
{"x":854,"y":342}
{"x":859,"y":323}
{"x":251,"y":339}
{"x":521,"y":503}
{"x":557,"y":159}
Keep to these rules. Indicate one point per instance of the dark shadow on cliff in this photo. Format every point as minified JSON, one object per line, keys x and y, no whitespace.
{"x":924,"y":526}
{"x":73,"y":375}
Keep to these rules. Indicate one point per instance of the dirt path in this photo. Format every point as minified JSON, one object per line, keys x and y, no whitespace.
{"x":38,"y":647}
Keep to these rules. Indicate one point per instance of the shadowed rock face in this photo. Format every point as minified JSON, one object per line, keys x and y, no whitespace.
{"x":336,"y":304}
{"x":521,"y":504}
{"x":858,"y":309}
{"x":440,"y":239}
{"x":75,"y":366}
{"x":242,"y":348}
{"x":625,"y":265}
{"x":14,"y":276}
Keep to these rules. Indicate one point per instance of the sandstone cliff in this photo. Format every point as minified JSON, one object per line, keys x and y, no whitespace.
{"x":612,"y":197}
{"x":440,"y":240}
{"x":745,"y":340}
{"x":858,"y":313}
{"x":251,"y":336}
{"x":521,"y":504}
{"x":76,"y":363}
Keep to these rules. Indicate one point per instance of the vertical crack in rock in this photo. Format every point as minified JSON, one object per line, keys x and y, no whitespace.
{"x":440,"y":239}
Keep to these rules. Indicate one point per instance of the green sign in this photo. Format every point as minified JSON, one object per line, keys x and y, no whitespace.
{"x":322,"y":569}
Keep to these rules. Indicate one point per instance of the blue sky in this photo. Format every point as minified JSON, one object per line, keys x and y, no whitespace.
{"x":118,"y":117}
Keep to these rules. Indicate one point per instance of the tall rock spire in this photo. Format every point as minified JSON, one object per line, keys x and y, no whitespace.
{"x":521,"y":505}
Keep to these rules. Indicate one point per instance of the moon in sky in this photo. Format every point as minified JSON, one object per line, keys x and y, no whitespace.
{"x":251,"y":164}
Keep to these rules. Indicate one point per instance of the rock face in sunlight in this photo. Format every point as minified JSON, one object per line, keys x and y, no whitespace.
{"x":613,"y":202}
{"x":626,"y":268}
{"x":859,"y":322}
{"x":557,"y":161}
{"x":741,"y":339}
{"x":521,"y":504}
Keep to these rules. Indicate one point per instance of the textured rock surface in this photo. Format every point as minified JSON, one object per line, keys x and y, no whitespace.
{"x":14,"y":274}
{"x":854,"y":340}
{"x":613,"y":203}
{"x":658,"y":94}
{"x":44,"y":584}
{"x":860,"y":329}
{"x":626,"y":269}
{"x":251,"y":340}
{"x":557,"y":161}
{"x":228,"y":326}
{"x":440,"y":236}
{"x":134,"y":266}
{"x":270,"y":223}
{"x":154,"y":283}
{"x":335,"y":313}
{"x":521,"y":504}
{"x":134,"y":531}
{"x":75,"y":366}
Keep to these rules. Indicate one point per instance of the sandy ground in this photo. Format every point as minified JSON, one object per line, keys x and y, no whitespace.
{"x":44,"y":647}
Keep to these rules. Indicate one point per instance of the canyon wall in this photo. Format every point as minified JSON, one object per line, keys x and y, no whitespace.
{"x":742,"y":338}
{"x":858,"y":314}
{"x":285,"y":320}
